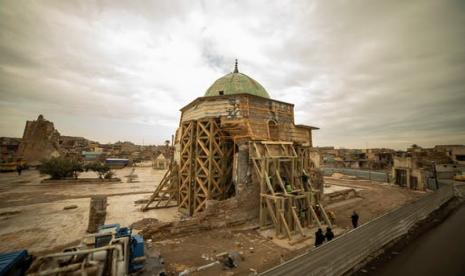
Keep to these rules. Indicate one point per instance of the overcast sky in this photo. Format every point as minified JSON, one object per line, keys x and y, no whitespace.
{"x":368,"y":73}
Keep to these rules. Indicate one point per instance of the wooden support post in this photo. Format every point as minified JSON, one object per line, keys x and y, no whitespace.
{"x":284,"y":223}
{"x":325,"y":216}
{"x":297,"y":221}
{"x":280,"y":181}
{"x":268,"y":183}
{"x":271,"y":212}
{"x":315,"y":217}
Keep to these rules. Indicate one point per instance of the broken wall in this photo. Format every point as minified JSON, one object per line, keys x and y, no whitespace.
{"x":40,"y":141}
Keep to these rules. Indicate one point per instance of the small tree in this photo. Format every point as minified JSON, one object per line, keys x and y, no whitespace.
{"x":102,"y":170}
{"x":61,"y":168}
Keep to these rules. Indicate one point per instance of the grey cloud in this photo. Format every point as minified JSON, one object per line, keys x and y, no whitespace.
{"x":386,"y":73}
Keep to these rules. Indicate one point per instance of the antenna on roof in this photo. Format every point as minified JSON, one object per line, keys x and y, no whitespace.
{"x":235,"y":67}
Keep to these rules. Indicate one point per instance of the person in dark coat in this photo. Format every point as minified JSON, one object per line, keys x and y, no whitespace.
{"x":329,"y":234}
{"x":19,"y":168}
{"x":354,"y":218}
{"x":319,"y":237}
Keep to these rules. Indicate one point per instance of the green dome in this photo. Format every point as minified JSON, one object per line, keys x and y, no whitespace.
{"x":236,"y":83}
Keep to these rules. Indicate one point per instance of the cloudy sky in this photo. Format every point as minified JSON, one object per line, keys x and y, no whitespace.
{"x":368,"y":73}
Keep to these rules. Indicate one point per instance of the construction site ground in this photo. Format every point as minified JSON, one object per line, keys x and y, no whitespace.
{"x":32,"y":216}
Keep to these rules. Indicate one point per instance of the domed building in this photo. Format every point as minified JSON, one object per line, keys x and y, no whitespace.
{"x":240,"y":157}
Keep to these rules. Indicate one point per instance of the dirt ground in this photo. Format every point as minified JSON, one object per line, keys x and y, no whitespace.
{"x":32,"y":217}
{"x":374,"y":199}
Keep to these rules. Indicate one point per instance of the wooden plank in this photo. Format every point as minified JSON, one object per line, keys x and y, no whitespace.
{"x":297,"y":221}
{"x":280,"y":181}
{"x":315,"y":217}
{"x":271,"y":212}
{"x":276,"y":143}
{"x":284,"y":223}
{"x":325,"y":216}
{"x":268,"y":183}
{"x":257,"y":150}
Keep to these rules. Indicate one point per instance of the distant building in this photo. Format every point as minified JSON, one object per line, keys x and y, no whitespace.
{"x":161,"y":162}
{"x":91,"y":155}
{"x":416,"y":168}
{"x":8,"y":149}
{"x":366,"y":159}
{"x":455,"y":152}
{"x":117,"y":163}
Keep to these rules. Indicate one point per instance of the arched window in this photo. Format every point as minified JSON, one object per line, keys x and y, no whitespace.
{"x":273,"y":131}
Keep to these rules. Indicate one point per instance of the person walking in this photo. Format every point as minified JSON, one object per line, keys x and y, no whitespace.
{"x":19,"y":169}
{"x":329,"y":234}
{"x":319,"y":237}
{"x":354,"y":218}
{"x":332,"y":216}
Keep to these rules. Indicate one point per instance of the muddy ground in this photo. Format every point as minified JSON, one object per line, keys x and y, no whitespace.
{"x":32,"y":217}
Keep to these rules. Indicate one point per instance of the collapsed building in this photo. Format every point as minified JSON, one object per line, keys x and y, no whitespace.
{"x":417,"y":168}
{"x":40,"y":140}
{"x":8,"y":150}
{"x":455,"y":152}
{"x":241,"y":157}
{"x":370,"y":159}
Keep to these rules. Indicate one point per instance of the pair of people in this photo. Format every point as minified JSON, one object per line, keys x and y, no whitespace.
{"x":320,"y":237}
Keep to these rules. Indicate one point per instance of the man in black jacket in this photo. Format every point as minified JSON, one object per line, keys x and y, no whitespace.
{"x":319,"y":237}
{"x":329,"y":234}
{"x":354,"y":218}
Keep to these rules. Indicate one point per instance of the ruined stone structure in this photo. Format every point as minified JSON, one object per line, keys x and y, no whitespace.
{"x":455,"y":152}
{"x":160,"y":162}
{"x":40,"y":140}
{"x":417,"y":168}
{"x":9,"y":149}
{"x":240,"y":157}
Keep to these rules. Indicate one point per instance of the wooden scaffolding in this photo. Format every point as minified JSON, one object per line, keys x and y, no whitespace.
{"x":287,"y":201}
{"x":205,"y":165}
{"x":204,"y":171}
{"x":166,"y":193}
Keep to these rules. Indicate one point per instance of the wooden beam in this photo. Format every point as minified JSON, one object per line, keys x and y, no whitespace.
{"x":271,"y":212}
{"x":315,"y":216}
{"x":284,"y":223}
{"x":297,"y":221}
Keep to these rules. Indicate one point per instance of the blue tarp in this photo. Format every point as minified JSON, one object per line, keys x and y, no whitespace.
{"x":11,"y":259}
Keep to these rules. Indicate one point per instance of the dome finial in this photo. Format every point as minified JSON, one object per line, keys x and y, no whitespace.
{"x":235,"y":67}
